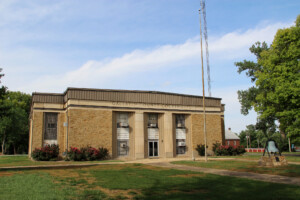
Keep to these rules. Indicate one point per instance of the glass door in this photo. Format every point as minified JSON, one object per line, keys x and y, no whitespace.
{"x":153,"y":148}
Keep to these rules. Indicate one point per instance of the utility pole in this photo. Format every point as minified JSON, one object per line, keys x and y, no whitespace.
{"x":203,"y":88}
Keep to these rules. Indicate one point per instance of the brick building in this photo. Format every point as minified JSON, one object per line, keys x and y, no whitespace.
{"x":231,"y":138}
{"x":130,"y":124}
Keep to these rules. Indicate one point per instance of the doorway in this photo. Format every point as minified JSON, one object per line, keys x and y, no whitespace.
{"x":153,"y":148}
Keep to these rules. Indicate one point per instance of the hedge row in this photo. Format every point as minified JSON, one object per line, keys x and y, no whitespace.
{"x":222,"y":150}
{"x":51,"y":153}
{"x":87,"y":154}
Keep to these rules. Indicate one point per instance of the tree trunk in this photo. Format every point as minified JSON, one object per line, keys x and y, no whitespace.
{"x":3,"y":143}
{"x":282,"y":133}
{"x":249,"y":141}
{"x":15,"y":151}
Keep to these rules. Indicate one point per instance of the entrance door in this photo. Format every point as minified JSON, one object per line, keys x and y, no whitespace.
{"x":153,"y":148}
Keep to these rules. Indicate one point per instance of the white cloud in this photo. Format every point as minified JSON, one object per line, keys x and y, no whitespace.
{"x":229,"y":47}
{"x":233,"y":45}
{"x":236,"y":44}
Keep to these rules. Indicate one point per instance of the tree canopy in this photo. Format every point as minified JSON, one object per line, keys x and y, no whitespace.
{"x":1,"y":74}
{"x":14,"y":113}
{"x":276,"y":77}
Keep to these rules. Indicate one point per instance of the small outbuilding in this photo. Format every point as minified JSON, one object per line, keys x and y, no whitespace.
{"x":231,"y":138}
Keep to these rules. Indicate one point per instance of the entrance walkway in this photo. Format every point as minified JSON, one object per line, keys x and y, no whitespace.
{"x":249,"y":175}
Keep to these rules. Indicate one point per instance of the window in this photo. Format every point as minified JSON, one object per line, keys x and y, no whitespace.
{"x":234,"y":142}
{"x":228,"y":142}
{"x":50,"y":128}
{"x":180,"y":121}
{"x":122,"y":120}
{"x":153,"y":135}
{"x":123,"y":133}
{"x":153,"y":121}
{"x":180,"y":134}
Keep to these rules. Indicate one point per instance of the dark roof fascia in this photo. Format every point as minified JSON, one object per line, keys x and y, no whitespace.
{"x":52,"y":94}
{"x":139,"y":91}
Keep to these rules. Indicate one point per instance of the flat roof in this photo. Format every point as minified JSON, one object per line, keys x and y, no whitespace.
{"x":136,"y":96}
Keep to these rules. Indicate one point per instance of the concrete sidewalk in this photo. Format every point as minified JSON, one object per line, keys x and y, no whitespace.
{"x":248,"y":175}
{"x":60,"y":166}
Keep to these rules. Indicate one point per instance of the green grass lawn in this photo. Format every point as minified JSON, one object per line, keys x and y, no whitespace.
{"x":134,"y":181}
{"x":244,"y":166}
{"x":8,"y":161}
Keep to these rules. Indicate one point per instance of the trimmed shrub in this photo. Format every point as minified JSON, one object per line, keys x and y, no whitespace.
{"x":87,"y":154}
{"x":201,"y":149}
{"x":46,"y":153}
{"x":74,"y":154}
{"x":103,"y":153}
{"x":225,"y":150}
{"x":241,"y":150}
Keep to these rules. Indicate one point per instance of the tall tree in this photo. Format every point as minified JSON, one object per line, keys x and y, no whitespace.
{"x":276,"y":74}
{"x":2,"y":88}
{"x":14,"y":112}
{"x":1,"y":74}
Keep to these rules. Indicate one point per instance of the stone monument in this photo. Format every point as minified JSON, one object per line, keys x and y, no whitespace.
{"x":274,"y":157}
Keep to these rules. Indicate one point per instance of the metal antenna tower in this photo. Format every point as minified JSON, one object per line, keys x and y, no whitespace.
{"x":203,"y":89}
{"x":206,"y":45}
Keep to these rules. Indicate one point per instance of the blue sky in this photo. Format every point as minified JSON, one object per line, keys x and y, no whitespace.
{"x":47,"y":46}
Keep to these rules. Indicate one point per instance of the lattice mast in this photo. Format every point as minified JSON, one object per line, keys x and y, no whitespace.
{"x":203,"y":87}
{"x":202,"y":4}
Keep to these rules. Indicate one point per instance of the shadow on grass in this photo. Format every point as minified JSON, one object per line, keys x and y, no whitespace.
{"x":218,"y":187}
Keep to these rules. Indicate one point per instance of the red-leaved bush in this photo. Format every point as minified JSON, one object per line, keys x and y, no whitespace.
{"x":46,"y":153}
{"x":226,"y":150}
{"x":87,"y":153}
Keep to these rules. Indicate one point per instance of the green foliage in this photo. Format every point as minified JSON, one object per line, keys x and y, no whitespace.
{"x":1,"y":75}
{"x":276,"y":94}
{"x":87,"y":154}
{"x":47,"y":153}
{"x":260,"y":133}
{"x":201,"y":149}
{"x":14,"y":113}
{"x":256,"y":137}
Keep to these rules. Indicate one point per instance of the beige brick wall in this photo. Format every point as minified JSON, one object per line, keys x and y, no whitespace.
{"x":61,"y":118}
{"x":213,"y":129}
{"x":97,"y":127}
{"x":90,"y":127}
{"x":37,"y":130}
{"x":131,"y":152}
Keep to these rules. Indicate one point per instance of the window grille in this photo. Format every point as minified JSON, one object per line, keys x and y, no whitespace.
{"x":50,"y":132}
{"x":123,"y":133}
{"x":180,"y":134}
{"x":180,"y":121}
{"x":153,"y":120}
{"x":122,"y":120}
